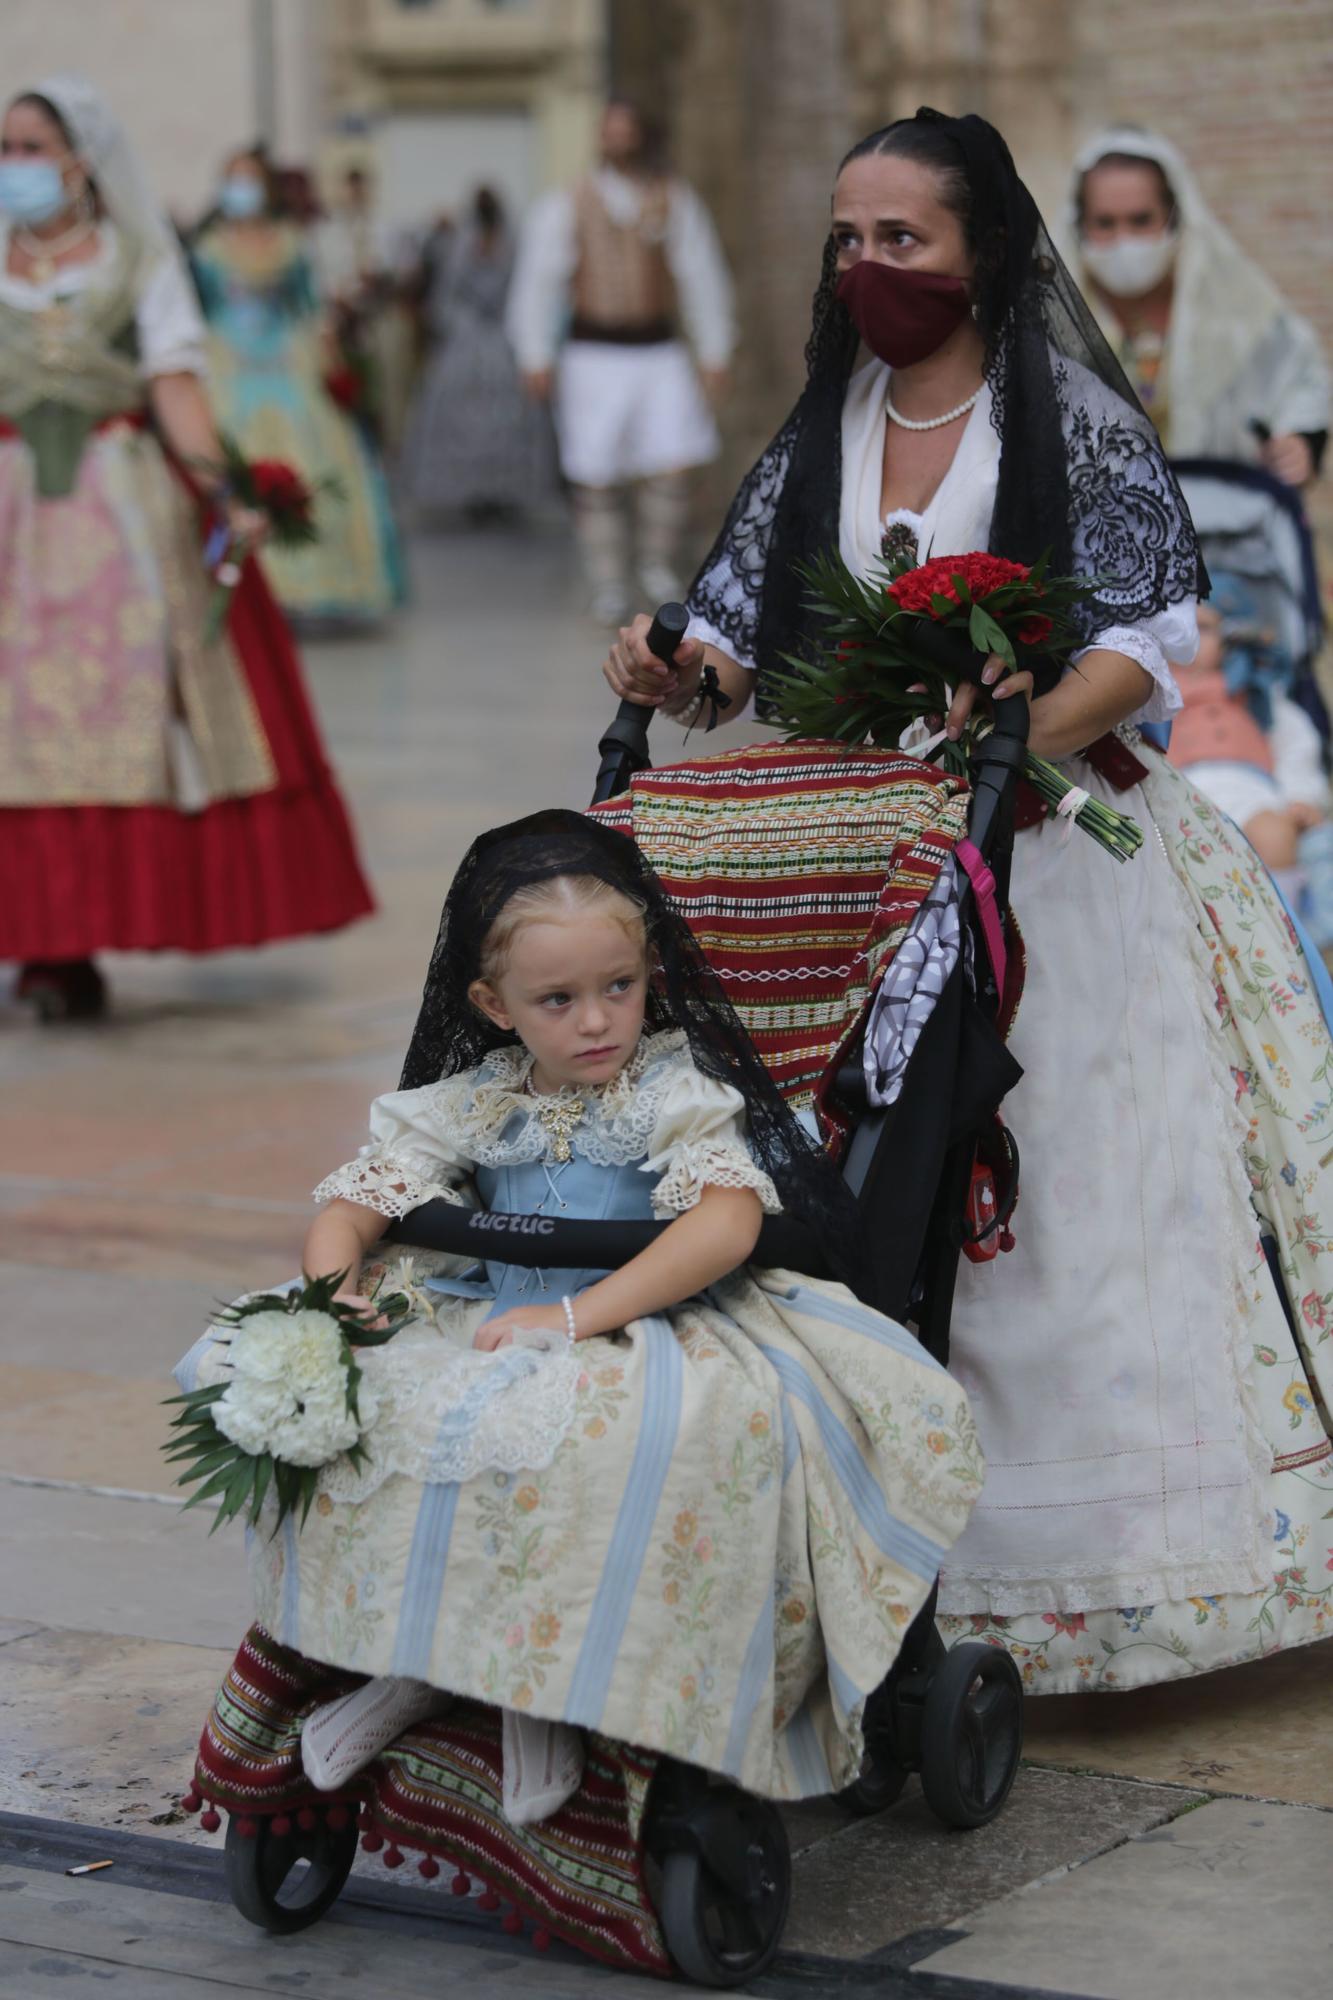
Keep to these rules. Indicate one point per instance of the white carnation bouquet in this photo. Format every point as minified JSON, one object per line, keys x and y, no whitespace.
{"x":294,"y":1400}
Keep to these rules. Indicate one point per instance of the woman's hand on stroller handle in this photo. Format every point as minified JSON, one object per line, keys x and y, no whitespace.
{"x":995,"y":681}
{"x":635,"y":673}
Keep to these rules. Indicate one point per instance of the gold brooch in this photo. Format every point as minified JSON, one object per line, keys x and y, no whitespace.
{"x":559,"y":1117}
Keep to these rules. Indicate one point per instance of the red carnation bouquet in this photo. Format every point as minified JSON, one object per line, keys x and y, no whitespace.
{"x":900,"y":641}
{"x":268,"y":486}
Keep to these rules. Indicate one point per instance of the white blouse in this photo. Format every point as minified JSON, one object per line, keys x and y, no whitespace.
{"x":170,"y":326}
{"x":660,"y":1114}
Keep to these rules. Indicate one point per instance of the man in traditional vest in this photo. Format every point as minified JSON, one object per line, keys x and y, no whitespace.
{"x":616,"y":264}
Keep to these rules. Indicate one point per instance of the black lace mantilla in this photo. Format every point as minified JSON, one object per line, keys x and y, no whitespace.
{"x":729,"y":589}
{"x":451,"y":1035}
{"x":1082,"y":474}
{"x":1130,"y":525}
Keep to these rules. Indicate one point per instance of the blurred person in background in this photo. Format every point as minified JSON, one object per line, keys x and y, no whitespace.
{"x":623,"y":260}
{"x":364,"y":271}
{"x":159,"y":788}
{"x":278,"y":389}
{"x":1242,"y":740}
{"x":1221,"y":363}
{"x":296,"y":196}
{"x":477,"y":442}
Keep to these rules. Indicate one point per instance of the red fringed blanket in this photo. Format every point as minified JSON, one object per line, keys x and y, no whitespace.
{"x":437,"y":1791}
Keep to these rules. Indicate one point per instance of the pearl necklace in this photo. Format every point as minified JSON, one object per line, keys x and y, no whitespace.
{"x":930,"y":423}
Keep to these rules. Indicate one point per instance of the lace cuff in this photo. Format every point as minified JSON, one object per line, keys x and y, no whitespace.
{"x":392,"y":1184}
{"x":1137,"y":642}
{"x":710,"y":1163}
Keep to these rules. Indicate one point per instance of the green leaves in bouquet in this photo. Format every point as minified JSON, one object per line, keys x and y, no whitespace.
{"x":881,"y":668}
{"x":987,"y":636}
{"x":216,"y":1467}
{"x":853,"y":690}
{"x":241,"y":1481}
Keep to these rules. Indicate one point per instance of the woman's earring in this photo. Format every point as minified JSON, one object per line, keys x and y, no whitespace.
{"x":976,"y":310}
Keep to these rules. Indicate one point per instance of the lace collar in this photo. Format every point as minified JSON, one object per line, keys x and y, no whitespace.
{"x":492,"y":1118}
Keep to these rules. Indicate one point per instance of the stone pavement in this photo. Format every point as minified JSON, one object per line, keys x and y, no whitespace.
{"x":1171,"y":1843}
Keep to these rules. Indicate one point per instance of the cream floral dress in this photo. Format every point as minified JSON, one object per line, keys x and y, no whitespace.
{"x":1253,"y":1067}
{"x":705,"y":1534}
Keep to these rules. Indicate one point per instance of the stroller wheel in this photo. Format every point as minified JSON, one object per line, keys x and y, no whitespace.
{"x":971,"y":1735}
{"x":724,"y":1896}
{"x":283,"y":1882}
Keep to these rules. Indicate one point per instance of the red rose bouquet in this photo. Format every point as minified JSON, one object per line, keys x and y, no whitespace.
{"x":267,"y":486}
{"x":347,"y":384}
{"x":899,"y":643}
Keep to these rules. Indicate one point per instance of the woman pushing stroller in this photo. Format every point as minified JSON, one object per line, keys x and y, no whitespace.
{"x":688,"y":1505}
{"x":1160,"y":1471}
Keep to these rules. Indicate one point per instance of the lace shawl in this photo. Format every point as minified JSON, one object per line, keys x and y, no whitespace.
{"x":1129,"y":524}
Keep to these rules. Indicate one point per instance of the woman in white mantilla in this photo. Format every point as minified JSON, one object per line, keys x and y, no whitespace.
{"x":1222,"y":364}
{"x":1153,"y":1408}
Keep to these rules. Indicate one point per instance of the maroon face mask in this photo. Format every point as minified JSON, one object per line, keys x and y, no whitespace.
{"x":902,"y":315}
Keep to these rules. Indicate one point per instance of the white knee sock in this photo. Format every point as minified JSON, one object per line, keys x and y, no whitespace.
{"x":601,"y":524}
{"x":344,"y":1736}
{"x":543,"y":1766}
{"x":661,"y":509}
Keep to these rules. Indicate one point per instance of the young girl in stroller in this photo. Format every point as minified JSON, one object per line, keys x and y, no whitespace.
{"x":688,"y":1505}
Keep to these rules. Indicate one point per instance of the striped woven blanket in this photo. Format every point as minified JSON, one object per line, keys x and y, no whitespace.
{"x":800,"y":868}
{"x":436,"y":1792}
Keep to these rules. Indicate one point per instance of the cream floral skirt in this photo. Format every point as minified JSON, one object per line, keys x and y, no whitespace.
{"x":714,"y":1550}
{"x":1159,"y":1499}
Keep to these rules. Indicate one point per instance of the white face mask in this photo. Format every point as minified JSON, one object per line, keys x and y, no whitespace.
{"x":1132,"y":265}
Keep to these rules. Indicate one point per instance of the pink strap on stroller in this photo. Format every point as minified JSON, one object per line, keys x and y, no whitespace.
{"x":983,"y":889}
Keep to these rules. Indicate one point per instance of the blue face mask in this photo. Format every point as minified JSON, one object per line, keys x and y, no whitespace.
{"x":240,"y":197}
{"x":32,"y":190}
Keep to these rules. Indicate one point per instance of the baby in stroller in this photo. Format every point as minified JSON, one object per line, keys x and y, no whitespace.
{"x":689,"y":1506}
{"x":1241,"y":738}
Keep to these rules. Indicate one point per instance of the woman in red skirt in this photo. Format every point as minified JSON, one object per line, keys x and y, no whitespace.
{"x":159,"y":789}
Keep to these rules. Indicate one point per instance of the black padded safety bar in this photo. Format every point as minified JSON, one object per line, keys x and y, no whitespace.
{"x":538,"y":1242}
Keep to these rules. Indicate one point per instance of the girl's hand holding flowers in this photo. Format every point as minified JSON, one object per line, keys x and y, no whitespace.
{"x":366,"y":1307}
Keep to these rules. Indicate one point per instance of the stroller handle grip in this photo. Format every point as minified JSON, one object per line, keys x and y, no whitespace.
{"x":624,"y":748}
{"x":999,"y":763}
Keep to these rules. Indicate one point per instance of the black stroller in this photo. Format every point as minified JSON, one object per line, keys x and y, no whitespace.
{"x":716,"y":1859}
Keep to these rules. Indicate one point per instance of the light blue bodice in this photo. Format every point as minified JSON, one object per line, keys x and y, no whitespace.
{"x":578,"y":1191}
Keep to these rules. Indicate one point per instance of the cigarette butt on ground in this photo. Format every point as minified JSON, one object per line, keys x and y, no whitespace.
{"x":90,"y":1867}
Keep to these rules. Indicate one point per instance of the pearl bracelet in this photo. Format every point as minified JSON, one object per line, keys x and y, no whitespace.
{"x":571,"y":1325}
